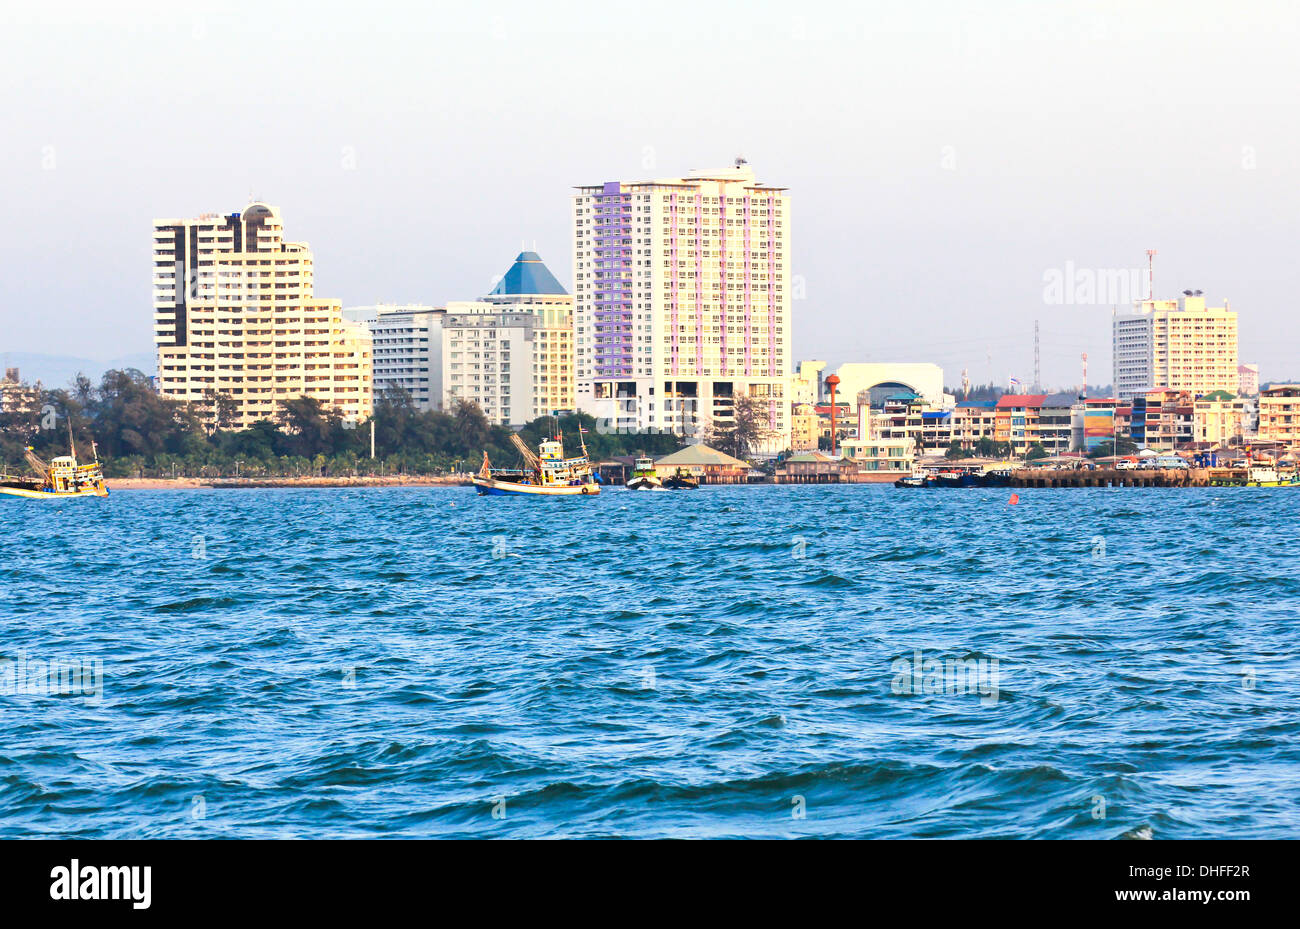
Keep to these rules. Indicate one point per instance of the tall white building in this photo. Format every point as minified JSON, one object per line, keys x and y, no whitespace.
{"x":1181,"y":345}
{"x":682,"y":301}
{"x":407,"y":353}
{"x":512,"y":352}
{"x":235,"y":317}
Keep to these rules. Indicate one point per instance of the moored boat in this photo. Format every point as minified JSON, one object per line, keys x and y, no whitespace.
{"x":956,"y":478}
{"x":546,"y":473}
{"x":996,"y":477}
{"x":917,"y":479}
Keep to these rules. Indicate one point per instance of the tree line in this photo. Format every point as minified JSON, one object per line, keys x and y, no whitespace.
{"x":139,"y":432}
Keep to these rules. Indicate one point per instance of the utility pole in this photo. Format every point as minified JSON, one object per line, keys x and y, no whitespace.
{"x":372,"y":440}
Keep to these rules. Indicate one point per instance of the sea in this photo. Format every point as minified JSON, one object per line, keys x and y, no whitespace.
{"x":767,"y":661}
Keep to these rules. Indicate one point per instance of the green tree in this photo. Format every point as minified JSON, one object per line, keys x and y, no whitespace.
{"x":739,"y":435}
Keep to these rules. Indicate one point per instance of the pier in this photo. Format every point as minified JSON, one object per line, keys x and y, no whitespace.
{"x":1111,"y":477}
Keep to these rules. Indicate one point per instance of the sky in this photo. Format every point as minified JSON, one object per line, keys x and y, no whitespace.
{"x":947,"y":162}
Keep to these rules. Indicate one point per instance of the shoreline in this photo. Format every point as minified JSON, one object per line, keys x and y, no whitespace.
{"x":243,"y":483}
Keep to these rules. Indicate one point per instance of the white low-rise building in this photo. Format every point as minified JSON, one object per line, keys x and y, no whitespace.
{"x":407,"y":349}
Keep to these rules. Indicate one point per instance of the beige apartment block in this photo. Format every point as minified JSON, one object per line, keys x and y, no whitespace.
{"x":1181,"y":345}
{"x":235,"y":315}
{"x":1221,"y":418}
{"x":1279,"y":414}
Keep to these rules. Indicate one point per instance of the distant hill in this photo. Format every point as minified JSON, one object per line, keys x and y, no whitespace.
{"x":60,"y":370}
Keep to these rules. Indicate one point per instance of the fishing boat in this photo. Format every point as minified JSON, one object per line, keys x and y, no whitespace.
{"x":1255,"y":475}
{"x":644,"y":476}
{"x":917,"y":479}
{"x":59,"y":479}
{"x":1267,"y":475}
{"x":546,"y":473}
{"x":682,"y":479}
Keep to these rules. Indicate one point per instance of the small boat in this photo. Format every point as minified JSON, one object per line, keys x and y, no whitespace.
{"x":59,"y":479}
{"x":997,"y":477}
{"x":1254,"y":475}
{"x":1270,"y":476}
{"x":682,"y":479}
{"x":643,"y":476}
{"x":918,"y":479}
{"x":954,"y":479}
{"x":545,"y":474}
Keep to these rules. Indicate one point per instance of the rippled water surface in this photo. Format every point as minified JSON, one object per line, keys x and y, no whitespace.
{"x":422,"y":662}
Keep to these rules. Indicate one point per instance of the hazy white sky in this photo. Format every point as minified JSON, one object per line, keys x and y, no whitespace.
{"x":943,"y":157}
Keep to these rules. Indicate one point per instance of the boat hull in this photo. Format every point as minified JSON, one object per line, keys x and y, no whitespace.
{"x":912,"y":482}
{"x":27,"y":494}
{"x":490,"y":487}
{"x":644,"y":483}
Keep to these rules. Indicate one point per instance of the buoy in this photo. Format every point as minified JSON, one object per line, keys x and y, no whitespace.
{"x":1015,"y":498}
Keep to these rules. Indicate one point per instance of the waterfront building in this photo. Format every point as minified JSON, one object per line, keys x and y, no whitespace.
{"x":892,"y":457}
{"x":407,"y":349}
{"x":843,"y":422}
{"x":487,"y":359}
{"x":1092,"y":423}
{"x":707,"y":465}
{"x":1162,"y":419}
{"x":1219,"y":418}
{"x":878,"y":382}
{"x":682,"y":292}
{"x":806,"y":385}
{"x":872,"y":452}
{"x":901,"y":416}
{"x":1182,"y":345}
{"x":971,"y":421}
{"x":235,"y":316}
{"x":1279,"y":414}
{"x":530,"y":287}
{"x":805,"y":427}
{"x":1248,"y":380}
{"x":1017,"y":421}
{"x":1054,"y":426}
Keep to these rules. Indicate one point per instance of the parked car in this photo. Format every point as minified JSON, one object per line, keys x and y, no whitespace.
{"x":1125,"y":464}
{"x":1171,"y":461}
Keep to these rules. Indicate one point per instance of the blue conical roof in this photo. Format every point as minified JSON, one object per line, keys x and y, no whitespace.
{"x":528,"y":276}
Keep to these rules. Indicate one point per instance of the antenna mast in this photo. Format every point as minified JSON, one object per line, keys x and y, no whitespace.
{"x":1151,"y":274}
{"x":1038,"y":373}
{"x":1083,"y":393}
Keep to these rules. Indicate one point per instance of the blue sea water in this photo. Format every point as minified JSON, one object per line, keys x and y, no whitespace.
{"x":726,"y":662}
